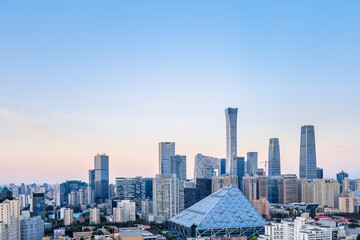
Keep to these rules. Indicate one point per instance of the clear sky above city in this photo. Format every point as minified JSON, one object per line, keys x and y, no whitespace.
{"x":79,"y":78}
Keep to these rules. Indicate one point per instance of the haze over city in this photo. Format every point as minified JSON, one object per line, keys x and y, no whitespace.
{"x":95,"y":77}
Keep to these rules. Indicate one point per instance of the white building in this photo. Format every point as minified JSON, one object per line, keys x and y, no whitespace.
{"x":31,"y":228}
{"x":89,"y":196}
{"x":94,"y":215}
{"x":302,"y":228}
{"x":168,"y":196}
{"x":124,"y":212}
{"x":10,"y":219}
{"x":68,"y":216}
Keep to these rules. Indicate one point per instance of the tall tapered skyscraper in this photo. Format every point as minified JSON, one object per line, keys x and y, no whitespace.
{"x":274,"y":157}
{"x":231,"y":139}
{"x":166,"y":151}
{"x":307,"y":167}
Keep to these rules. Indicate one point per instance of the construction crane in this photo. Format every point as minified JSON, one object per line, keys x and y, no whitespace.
{"x":266,"y":162}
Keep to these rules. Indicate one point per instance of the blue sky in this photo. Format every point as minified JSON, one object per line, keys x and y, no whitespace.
{"x":81,"y":77}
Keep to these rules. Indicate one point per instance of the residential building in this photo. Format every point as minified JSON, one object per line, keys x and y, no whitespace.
{"x":94,"y":216}
{"x":299,"y":229}
{"x":70,"y":186}
{"x":168,"y":196}
{"x":222,"y":181}
{"x":249,"y":187}
{"x":125,"y":211}
{"x":307,"y":166}
{"x":10,"y":219}
{"x":262,"y":206}
{"x":288,"y":189}
{"x":31,"y":228}
{"x":68,"y":216}
{"x":346,"y":204}
{"x":129,"y":188}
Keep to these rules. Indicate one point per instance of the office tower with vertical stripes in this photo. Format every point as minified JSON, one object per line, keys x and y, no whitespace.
{"x":307,"y":168}
{"x":274,"y":157}
{"x":231,"y":139}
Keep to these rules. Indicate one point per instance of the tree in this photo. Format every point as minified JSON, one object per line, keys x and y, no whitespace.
{"x":358,"y":237}
{"x":253,"y":238}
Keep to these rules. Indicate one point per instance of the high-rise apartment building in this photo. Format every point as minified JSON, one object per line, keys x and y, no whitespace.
{"x":262,"y":206}
{"x":168,"y":196}
{"x":222,"y":181}
{"x":307,"y":167}
{"x":252,"y":163}
{"x":288,"y":190}
{"x":274,"y":157}
{"x":39,"y":205}
{"x":262,"y":187}
{"x":129,"y":188}
{"x":68,"y":216}
{"x":10,"y":219}
{"x":206,"y":167}
{"x":325,"y":191}
{"x":101,"y":173}
{"x":166,"y":151}
{"x":31,"y":228}
{"x":231,"y":138}
{"x":89,"y":196}
{"x":94,"y":216}
{"x":249,"y":187}
{"x":178,"y":166}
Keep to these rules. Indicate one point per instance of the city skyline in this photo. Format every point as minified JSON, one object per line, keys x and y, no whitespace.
{"x":121,"y":77}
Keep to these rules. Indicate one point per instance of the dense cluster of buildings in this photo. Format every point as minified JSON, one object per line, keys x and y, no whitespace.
{"x":208,"y":205}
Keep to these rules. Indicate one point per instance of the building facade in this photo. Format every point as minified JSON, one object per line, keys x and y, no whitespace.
{"x":101,"y":173}
{"x":168,"y":196}
{"x":307,"y":166}
{"x":274,"y":157}
{"x":32,"y":228}
{"x":178,"y":166}
{"x":206,"y":166}
{"x":252,"y":163}
{"x":231,"y":138}
{"x":166,"y":151}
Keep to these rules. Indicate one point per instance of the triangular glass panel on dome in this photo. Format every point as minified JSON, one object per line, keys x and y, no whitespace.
{"x":226,"y":208}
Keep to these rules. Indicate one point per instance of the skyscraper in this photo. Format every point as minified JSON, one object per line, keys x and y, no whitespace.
{"x":252,"y":163}
{"x":274,"y":157}
{"x":205,"y":166}
{"x":239,"y":170}
{"x":166,"y":150}
{"x":39,"y":205}
{"x":178,"y":166}
{"x":231,"y":138}
{"x":307,"y":167}
{"x":101,"y":173}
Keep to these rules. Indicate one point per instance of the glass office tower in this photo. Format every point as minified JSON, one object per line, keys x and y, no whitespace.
{"x":101,"y":177}
{"x":252,"y":163}
{"x":307,"y":167}
{"x":231,"y":139}
{"x":39,"y":205}
{"x":274,"y":157}
{"x":239,"y":166}
{"x":166,"y":151}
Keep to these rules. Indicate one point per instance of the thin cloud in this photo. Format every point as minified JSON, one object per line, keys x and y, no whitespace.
{"x":19,"y":123}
